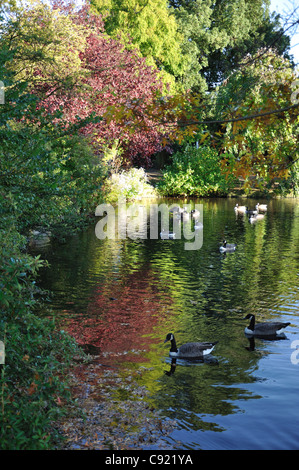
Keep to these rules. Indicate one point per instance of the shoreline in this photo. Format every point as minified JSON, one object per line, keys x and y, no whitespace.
{"x":107,"y":421}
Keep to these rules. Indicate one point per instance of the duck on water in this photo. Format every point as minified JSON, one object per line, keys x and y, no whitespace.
{"x":227,"y":247}
{"x":264,"y":329}
{"x":189,"y":350}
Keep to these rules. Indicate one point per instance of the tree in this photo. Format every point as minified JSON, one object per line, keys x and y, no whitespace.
{"x":151,"y":27}
{"x":48,"y":174}
{"x":113,"y":79}
{"x":268,"y":34}
{"x":66,"y":60}
{"x":266,"y":145}
{"x":45,"y":46}
{"x":218,"y":34}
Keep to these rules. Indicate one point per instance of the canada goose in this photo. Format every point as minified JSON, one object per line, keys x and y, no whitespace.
{"x":240,"y":209}
{"x":227,"y":247}
{"x":176,"y":209}
{"x":255,"y":218}
{"x":263,"y":329}
{"x":251,"y":212}
{"x":185,"y":215}
{"x":166,"y":235}
{"x":177,"y":217}
{"x":261,"y":207}
{"x":195,"y":213}
{"x":189,"y":350}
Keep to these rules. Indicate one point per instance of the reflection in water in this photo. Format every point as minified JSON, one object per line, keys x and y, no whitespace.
{"x":119,"y":299}
{"x":209,"y":359}
{"x":251,"y":339}
{"x":172,"y":368}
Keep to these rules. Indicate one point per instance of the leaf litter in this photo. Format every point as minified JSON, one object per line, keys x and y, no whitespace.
{"x":115,"y":412}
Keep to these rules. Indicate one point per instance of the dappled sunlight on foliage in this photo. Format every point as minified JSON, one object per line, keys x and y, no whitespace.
{"x":267,"y":146}
{"x":83,"y":112}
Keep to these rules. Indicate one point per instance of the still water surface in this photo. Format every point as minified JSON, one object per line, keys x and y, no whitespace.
{"x":119,"y":298}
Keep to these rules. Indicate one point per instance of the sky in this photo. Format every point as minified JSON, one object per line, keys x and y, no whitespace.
{"x":285,"y":7}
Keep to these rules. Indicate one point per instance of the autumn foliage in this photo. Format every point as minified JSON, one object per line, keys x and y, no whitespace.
{"x":261,"y":135}
{"x":112,"y":79}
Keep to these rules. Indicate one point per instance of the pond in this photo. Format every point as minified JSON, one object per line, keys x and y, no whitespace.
{"x":119,"y":299}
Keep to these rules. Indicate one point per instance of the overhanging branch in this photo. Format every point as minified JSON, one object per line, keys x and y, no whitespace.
{"x":240,"y":118}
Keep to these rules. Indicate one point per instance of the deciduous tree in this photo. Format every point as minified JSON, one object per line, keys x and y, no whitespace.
{"x":266,"y":145}
{"x":113,"y":79}
{"x":151,"y":27}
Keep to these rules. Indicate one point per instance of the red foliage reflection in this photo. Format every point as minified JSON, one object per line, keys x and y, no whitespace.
{"x":119,"y":315}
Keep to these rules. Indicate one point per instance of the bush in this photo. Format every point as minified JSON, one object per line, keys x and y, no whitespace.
{"x":289,"y":186}
{"x":131,"y":184}
{"x":32,"y":392}
{"x":195,"y":172}
{"x":48,"y":178}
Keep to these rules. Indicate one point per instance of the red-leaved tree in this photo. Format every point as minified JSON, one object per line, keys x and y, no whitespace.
{"x":115,"y":82}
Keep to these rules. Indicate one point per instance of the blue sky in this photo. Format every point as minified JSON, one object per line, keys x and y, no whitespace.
{"x":285,"y":7}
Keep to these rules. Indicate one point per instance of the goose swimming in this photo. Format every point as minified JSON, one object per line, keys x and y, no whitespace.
{"x":185,"y":215}
{"x":195,"y":213}
{"x":166,"y":235}
{"x":251,"y":212}
{"x":189,"y":350}
{"x":261,"y":207}
{"x":227,"y":247}
{"x":264,"y":329}
{"x":240,"y":209}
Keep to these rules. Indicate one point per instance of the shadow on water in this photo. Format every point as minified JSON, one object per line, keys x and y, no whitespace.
{"x":119,"y":298}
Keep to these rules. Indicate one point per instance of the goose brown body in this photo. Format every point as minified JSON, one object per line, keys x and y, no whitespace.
{"x":264,"y":329}
{"x":189,"y":350}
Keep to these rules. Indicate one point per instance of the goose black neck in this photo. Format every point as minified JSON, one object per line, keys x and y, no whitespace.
{"x":173,"y":345}
{"x":252,"y":323}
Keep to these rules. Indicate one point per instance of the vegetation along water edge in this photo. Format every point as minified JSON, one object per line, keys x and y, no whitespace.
{"x":89,"y":103}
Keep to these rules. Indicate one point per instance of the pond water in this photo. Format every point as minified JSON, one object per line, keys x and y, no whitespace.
{"x":119,"y":299}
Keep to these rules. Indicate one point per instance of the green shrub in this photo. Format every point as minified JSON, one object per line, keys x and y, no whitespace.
{"x":289,"y":186}
{"x":131,"y":184}
{"x":33,"y":393}
{"x":49,"y":178}
{"x":194,"y":172}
